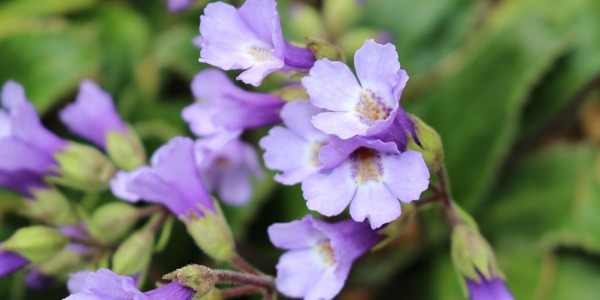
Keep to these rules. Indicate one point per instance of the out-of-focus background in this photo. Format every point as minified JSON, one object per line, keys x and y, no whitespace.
{"x":512,"y":86}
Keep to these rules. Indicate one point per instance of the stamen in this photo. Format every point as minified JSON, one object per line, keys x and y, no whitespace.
{"x":326,"y":253}
{"x":260,"y":54}
{"x":370,"y":108}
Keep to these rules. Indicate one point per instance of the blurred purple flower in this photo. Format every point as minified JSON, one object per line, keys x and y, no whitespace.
{"x":370,"y":176}
{"x":172,"y":180}
{"x":105,"y":284}
{"x":37,"y":280}
{"x":178,"y":5}
{"x":320,"y":257}
{"x":300,"y":141}
{"x":93,"y":114}
{"x":222,"y":106}
{"x":11,"y":262}
{"x":249,"y":38}
{"x":493,"y":289}
{"x":26,"y":147}
{"x":351,"y":108}
{"x":226,"y":166}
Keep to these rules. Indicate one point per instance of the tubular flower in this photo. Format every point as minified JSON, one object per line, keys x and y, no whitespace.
{"x":250,"y":39}
{"x":26,"y":147}
{"x":320,"y":255}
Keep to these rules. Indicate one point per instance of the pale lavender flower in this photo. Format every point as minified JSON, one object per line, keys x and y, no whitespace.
{"x":172,"y":180}
{"x":26,"y":147}
{"x":222,"y":106}
{"x":369,"y":175}
{"x":178,"y":5}
{"x":320,"y":257}
{"x":105,"y":284}
{"x":492,"y":289}
{"x":93,"y":114}
{"x":249,"y":38}
{"x":294,"y":150}
{"x":351,"y":108}
{"x":11,"y":262}
{"x":226,"y":166}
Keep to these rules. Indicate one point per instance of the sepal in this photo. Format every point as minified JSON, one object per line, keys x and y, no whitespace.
{"x":212,"y":233}
{"x":82,"y":167}
{"x":36,"y":243}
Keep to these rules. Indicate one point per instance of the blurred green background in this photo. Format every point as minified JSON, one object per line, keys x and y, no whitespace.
{"x":512,"y":86}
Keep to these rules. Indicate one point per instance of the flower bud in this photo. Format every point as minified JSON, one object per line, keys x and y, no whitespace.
{"x":212,"y":234}
{"x":125,"y":149}
{"x":62,"y":263}
{"x":199,"y":278}
{"x":324,"y":49}
{"x":83,"y":167}
{"x":291,"y":93}
{"x":134,"y":254}
{"x":305,"y":20}
{"x":50,"y":206}
{"x":339,"y":15}
{"x":36,"y":243}
{"x":430,"y":144}
{"x":113,"y":220}
{"x":471,"y":254}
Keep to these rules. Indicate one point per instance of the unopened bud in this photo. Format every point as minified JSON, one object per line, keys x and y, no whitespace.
{"x":36,"y":243}
{"x":61,"y":264}
{"x":292,"y":93}
{"x":305,"y":20}
{"x":472,"y":255}
{"x":125,"y":149}
{"x":324,"y":49}
{"x":113,"y":220}
{"x":430,"y":145}
{"x":339,"y":15}
{"x":199,"y":278}
{"x":50,"y":206}
{"x":134,"y":254}
{"x":83,"y":167}
{"x":212,"y":234}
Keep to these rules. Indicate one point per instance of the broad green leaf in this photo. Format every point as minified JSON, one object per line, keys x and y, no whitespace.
{"x":173,"y":50}
{"x":476,"y":110}
{"x":48,"y":65}
{"x":574,"y":277}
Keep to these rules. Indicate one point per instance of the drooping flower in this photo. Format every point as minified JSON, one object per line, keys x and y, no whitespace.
{"x":320,"y":257}
{"x":370,"y":176}
{"x":300,"y":141}
{"x":172,"y":180}
{"x":26,"y":147}
{"x":250,"y":39}
{"x":484,"y":289}
{"x":93,"y":114}
{"x":105,"y":284}
{"x":222,"y":106}
{"x":365,"y":108}
{"x":226,"y":166}
{"x":11,"y":262}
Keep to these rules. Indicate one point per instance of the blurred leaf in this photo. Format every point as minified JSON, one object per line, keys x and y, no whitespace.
{"x":46,"y":64}
{"x":47,"y":7}
{"x":173,"y":49}
{"x":576,"y":278}
{"x":476,"y":110}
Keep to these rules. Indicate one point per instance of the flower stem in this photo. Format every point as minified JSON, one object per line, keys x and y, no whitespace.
{"x":239,"y":291}
{"x":244,"y":266}
{"x":263,"y":281}
{"x":447,"y":197}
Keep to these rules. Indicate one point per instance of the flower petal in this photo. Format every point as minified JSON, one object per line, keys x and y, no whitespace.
{"x":343,"y":124}
{"x":375,"y":202}
{"x":298,"y":234}
{"x":377,"y":69}
{"x":406,"y":175}
{"x":297,"y":271}
{"x":331,"y":85}
{"x":329,"y":192}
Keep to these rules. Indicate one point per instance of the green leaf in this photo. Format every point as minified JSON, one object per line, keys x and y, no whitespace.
{"x":575,"y":278}
{"x":476,"y":110}
{"x":47,"y":64}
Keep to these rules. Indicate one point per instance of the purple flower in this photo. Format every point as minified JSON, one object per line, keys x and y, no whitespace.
{"x":226,"y":166}
{"x":26,"y":147}
{"x":172,"y":180}
{"x":351,"y":108}
{"x":493,"y":289}
{"x":178,"y":5}
{"x":320,"y":257}
{"x":222,"y":106}
{"x":249,"y":38}
{"x":300,"y":141}
{"x":105,"y":284}
{"x":370,"y":176}
{"x":11,"y":262}
{"x":37,"y":280}
{"x":93,"y":114}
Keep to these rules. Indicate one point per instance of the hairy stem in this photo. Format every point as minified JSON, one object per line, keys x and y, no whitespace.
{"x":243,"y":265}
{"x":263,"y":281}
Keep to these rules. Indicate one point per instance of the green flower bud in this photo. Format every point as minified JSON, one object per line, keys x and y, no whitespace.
{"x":83,"y":167}
{"x":62,"y":264}
{"x":134,"y":254}
{"x":125,"y":150}
{"x":472,"y":255}
{"x":212,"y":234}
{"x":339,"y":15}
{"x":214,"y":294}
{"x":431,"y":145}
{"x":113,"y":220}
{"x":305,"y":20}
{"x":291,"y":93}
{"x":36,"y":243}
{"x":50,"y":206}
{"x":324,"y":49}
{"x":199,"y":278}
{"x":352,"y":40}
